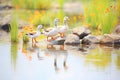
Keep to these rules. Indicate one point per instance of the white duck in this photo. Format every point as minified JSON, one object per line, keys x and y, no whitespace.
{"x":34,"y":35}
{"x":64,"y":28}
{"x":51,"y":33}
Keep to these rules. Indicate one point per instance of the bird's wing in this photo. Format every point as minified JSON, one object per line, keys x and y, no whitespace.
{"x":48,"y":29}
{"x":32,"y":33}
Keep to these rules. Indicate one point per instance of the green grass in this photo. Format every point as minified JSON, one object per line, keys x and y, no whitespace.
{"x":14,"y":29}
{"x":31,"y":4}
{"x":101,"y":12}
{"x":61,"y":3}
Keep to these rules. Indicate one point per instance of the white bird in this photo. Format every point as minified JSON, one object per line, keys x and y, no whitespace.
{"x":34,"y":35}
{"x":51,"y":33}
{"x":64,"y":28}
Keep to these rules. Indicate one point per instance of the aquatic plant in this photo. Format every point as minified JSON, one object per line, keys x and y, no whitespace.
{"x":14,"y":51}
{"x":14,"y":29}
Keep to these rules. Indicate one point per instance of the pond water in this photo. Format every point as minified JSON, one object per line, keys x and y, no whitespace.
{"x":35,"y":62}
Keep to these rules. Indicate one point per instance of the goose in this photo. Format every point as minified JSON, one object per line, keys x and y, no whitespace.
{"x":64,"y":28}
{"x":34,"y":35}
{"x":52,"y":32}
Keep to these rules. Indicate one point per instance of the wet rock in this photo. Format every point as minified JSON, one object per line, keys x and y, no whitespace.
{"x":6,"y":27}
{"x":90,"y":39}
{"x":81,"y":32}
{"x":6,"y":7}
{"x":81,"y":49}
{"x":72,"y":39}
{"x":58,"y":41}
{"x":109,"y":38}
{"x":117,"y":30}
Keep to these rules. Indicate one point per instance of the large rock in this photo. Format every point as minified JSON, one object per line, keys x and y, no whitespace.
{"x":81,"y":31}
{"x":109,"y":38}
{"x":117,"y":30}
{"x":5,"y":20}
{"x":90,"y":39}
{"x":72,"y":39}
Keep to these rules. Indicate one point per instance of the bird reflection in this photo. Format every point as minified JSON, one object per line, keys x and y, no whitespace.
{"x":57,"y":53}
{"x":29,"y":50}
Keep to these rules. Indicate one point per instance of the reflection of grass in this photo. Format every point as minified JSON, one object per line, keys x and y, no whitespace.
{"x":14,"y":29}
{"x":31,"y":4}
{"x":14,"y":51}
{"x":101,"y":12}
{"x":99,"y":58}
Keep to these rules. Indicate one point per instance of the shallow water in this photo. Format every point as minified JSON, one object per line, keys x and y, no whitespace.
{"x":27,"y":62}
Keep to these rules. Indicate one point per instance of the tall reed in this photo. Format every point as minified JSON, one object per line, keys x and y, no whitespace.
{"x":14,"y":29}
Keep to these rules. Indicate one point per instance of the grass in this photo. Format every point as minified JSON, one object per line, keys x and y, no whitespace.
{"x":31,"y":4}
{"x":61,"y":3}
{"x":102,"y":12}
{"x":14,"y":29}
{"x":118,"y":10}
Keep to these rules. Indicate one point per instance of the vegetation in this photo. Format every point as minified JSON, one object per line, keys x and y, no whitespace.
{"x":30,"y":4}
{"x":14,"y":55}
{"x":101,"y":15}
{"x":14,"y":29}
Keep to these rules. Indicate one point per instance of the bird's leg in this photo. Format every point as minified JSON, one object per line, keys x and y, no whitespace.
{"x":35,"y":40}
{"x":47,"y":38}
{"x":52,"y":38}
{"x":61,"y":47}
{"x":50,"y":46}
{"x":32,"y":40}
{"x":62,"y":35}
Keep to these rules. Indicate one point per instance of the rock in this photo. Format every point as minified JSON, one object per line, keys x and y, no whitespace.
{"x":90,"y":39}
{"x":58,"y":41}
{"x":109,"y":38}
{"x":117,"y":30}
{"x":6,"y":27}
{"x":81,"y":31}
{"x":5,"y":20}
{"x":72,"y":39}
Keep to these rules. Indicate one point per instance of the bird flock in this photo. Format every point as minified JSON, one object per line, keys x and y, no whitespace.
{"x":51,"y":33}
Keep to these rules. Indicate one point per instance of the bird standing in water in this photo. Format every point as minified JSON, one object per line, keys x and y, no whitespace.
{"x":64,"y":28}
{"x":34,"y":35}
{"x":54,"y":31}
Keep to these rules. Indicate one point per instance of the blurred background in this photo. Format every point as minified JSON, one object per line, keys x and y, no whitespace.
{"x":100,"y":16}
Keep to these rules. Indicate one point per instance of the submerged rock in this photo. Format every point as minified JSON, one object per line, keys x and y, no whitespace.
{"x":90,"y":39}
{"x":72,"y":39}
